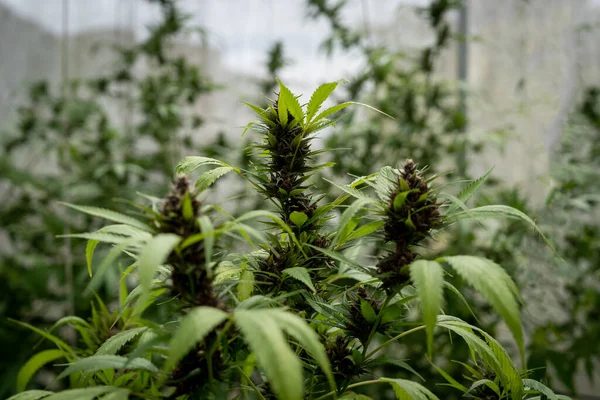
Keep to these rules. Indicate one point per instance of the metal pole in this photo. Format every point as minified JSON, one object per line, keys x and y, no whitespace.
{"x":462,"y":59}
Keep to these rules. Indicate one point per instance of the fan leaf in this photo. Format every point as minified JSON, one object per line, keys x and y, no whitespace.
{"x":110,"y":215}
{"x":100,"y":362}
{"x":301,"y":274}
{"x":495,"y":285}
{"x":193,"y":328}
{"x":34,"y":364}
{"x":428,"y":278}
{"x":281,"y":366}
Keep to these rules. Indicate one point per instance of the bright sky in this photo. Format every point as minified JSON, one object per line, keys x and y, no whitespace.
{"x":242,"y":29}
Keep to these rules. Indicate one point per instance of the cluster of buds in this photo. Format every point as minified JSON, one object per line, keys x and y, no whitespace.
{"x":289,"y":151}
{"x":287,"y":170}
{"x":362,"y":310}
{"x":412,"y":213}
{"x":339,"y":355}
{"x":196,"y":362}
{"x":190,"y":282}
{"x":190,"y":278}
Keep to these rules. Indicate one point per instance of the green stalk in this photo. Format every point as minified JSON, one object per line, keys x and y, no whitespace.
{"x":418,"y":328}
{"x":258,"y":393}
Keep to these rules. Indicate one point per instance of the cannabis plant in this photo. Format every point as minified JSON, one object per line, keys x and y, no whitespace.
{"x":573,"y":215}
{"x":68,"y":144}
{"x":296,"y":310}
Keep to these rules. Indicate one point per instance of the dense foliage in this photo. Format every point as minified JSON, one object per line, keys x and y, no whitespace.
{"x":298,"y":312}
{"x":71,"y":143}
{"x":332,"y":262}
{"x":573,"y":216}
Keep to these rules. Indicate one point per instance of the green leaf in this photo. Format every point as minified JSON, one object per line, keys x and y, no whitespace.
{"x":385,"y":181}
{"x":454,"y":290}
{"x":193,"y":328}
{"x":495,"y":285}
{"x":186,"y":206}
{"x":403,"y":184}
{"x":409,"y":223}
{"x":34,"y":364}
{"x":246,"y":285}
{"x":347,"y":217}
{"x":490,"y":351}
{"x":469,"y":191}
{"x":155,"y":253}
{"x":272,"y":216}
{"x":31,"y":395}
{"x":297,"y":328}
{"x":301,"y":274}
{"x":332,"y":110}
{"x":113,"y":344}
{"x":123,"y":291}
{"x":90,"y":393}
{"x":255,"y":108}
{"x":455,"y":202}
{"x":428,"y":278}
{"x":100,"y":362}
{"x":318,"y":98}
{"x":352,"y":191}
{"x":110,"y":215}
{"x":298,"y":218}
{"x":282,"y":110}
{"x":498,"y":211}
{"x":281,"y":366}
{"x":409,"y":390}
{"x":121,"y":394}
{"x":107,"y":262}
{"x":125,"y":230}
{"x":208,"y":230}
{"x":210,"y":177}
{"x":367,"y":311}
{"x":394,"y":362}
{"x":453,"y":382}
{"x":540,"y":388}
{"x":72,"y":320}
{"x":99,"y":236}
{"x":341,"y":258}
{"x":190,"y":163}
{"x":486,"y":382}
{"x":339,"y":107}
{"x":365,"y":230}
{"x":58,"y":342}
{"x":400,"y":199}
{"x":89,"y":253}
{"x":292,"y":103}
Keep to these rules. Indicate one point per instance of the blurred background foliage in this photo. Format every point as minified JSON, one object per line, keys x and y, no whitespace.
{"x":86,"y":158}
{"x":67,"y":146}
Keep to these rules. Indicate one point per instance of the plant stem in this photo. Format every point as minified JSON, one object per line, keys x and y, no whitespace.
{"x":258,"y":393}
{"x":418,"y":328}
{"x":349,"y":387}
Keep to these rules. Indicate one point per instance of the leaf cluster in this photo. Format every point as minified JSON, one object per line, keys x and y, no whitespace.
{"x":318,"y":326}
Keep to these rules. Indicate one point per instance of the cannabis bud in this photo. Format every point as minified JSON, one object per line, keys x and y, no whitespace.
{"x":190,"y":278}
{"x":411,"y":214}
{"x":362,"y":312}
{"x":339,"y":355}
{"x":289,"y":151}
